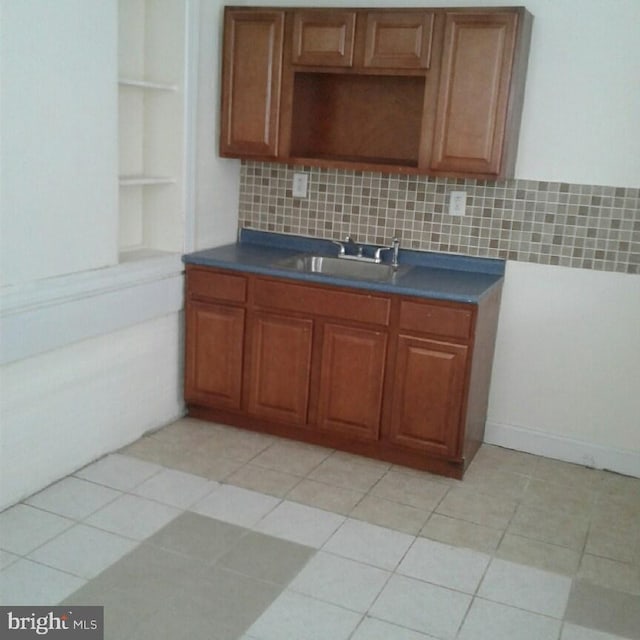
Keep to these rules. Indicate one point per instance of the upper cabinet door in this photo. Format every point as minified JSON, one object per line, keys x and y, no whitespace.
{"x":323,"y":38}
{"x":398,"y":40}
{"x":252,"y":70}
{"x":473,"y":101}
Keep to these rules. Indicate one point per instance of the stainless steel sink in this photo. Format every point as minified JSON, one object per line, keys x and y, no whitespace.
{"x":342,"y":268}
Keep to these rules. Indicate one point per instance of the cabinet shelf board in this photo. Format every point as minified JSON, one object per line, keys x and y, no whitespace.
{"x":146,"y":84}
{"x":142,"y":180}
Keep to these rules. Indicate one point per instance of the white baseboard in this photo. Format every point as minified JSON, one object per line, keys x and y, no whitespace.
{"x":561,"y":448}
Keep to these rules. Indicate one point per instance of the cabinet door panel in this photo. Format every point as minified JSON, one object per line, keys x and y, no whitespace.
{"x":280,"y":368}
{"x":214,"y":341}
{"x":428,"y":394}
{"x":474,"y":92}
{"x":351,"y":381}
{"x":399,"y":40}
{"x":323,"y":38}
{"x":252,"y":69}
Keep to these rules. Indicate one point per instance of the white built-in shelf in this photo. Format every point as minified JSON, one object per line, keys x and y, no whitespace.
{"x":145,"y":84}
{"x":141,"y":181}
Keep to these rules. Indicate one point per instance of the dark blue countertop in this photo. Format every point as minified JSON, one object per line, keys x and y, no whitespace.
{"x":432,"y":275}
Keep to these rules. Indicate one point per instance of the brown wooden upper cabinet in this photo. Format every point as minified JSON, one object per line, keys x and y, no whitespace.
{"x":323,"y":38}
{"x":398,"y":39}
{"x":427,"y":91}
{"x":252,"y":72}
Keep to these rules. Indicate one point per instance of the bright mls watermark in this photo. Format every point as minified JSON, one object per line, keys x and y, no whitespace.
{"x":76,"y":622}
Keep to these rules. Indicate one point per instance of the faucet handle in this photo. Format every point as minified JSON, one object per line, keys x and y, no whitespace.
{"x":340,"y":245}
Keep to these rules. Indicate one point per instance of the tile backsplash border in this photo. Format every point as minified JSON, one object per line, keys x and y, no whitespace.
{"x":556,"y":223}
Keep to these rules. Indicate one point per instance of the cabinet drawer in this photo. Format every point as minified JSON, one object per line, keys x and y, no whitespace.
{"x":435,"y":319}
{"x":204,"y":284}
{"x":344,"y":305}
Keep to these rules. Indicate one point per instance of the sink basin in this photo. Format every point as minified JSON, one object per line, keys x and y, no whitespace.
{"x":342,"y":268}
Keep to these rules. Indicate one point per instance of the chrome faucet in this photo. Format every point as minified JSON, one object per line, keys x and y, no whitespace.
{"x":395,"y":246}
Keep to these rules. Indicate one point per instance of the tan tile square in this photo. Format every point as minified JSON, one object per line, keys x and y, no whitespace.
{"x":325,"y":496}
{"x":555,"y":527}
{"x":275,"y":483}
{"x":567,"y":474}
{"x":393,"y":515}
{"x":461,"y":533}
{"x":296,"y":458}
{"x":608,"y":513}
{"x":235,"y":444}
{"x":187,"y":432}
{"x":347,"y":472}
{"x":494,"y":458}
{"x":611,"y":574}
{"x":489,"y":511}
{"x":161,"y":452}
{"x":203,"y":464}
{"x":614,"y":542}
{"x":541,"y":555}
{"x":549,"y":496}
{"x":608,"y":610}
{"x":409,"y":489}
{"x":425,"y":475}
{"x":495,"y":482}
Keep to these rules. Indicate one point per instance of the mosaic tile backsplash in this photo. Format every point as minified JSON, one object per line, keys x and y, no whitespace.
{"x":573,"y":225}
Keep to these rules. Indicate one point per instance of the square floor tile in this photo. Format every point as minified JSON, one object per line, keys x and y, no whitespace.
{"x":542,"y":555}
{"x":574,"y":632}
{"x":611,"y":574}
{"x":229,"y":600}
{"x":461,"y":533}
{"x":83,"y":551}
{"x":556,"y":527}
{"x":29,"y":583}
{"x":493,"y":621}
{"x":527,"y":588}
{"x":420,"y":493}
{"x":421,"y":606}
{"x":373,"y":629}
{"x":236,"y":505}
{"x":200,"y":537}
{"x":73,"y":498}
{"x":294,"y":615}
{"x":369,"y":543}
{"x":24,"y":528}
{"x":118,"y":471}
{"x":300,"y":523}
{"x":447,"y":566}
{"x":325,"y":496}
{"x":349,"y":472}
{"x":266,"y":558}
{"x":341,"y":581}
{"x":387,"y":513}
{"x":175,"y":488}
{"x":607,"y":610}
{"x":489,"y":511}
{"x":265,"y":480}
{"x":7,"y":558}
{"x":292,"y":457}
{"x":133,"y":517}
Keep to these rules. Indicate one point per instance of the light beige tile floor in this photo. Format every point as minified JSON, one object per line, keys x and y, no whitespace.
{"x":541,"y":512}
{"x":524,"y":548}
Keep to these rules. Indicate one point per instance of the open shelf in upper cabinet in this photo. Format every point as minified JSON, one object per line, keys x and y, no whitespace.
{"x":152,"y":61}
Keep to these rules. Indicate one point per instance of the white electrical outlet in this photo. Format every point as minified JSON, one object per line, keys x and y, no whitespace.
{"x":299,"y":186}
{"x":457,"y":203}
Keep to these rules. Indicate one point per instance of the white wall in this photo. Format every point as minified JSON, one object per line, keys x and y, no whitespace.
{"x":62,"y":409}
{"x":218,"y":179}
{"x":58,"y":155}
{"x":567,"y":366}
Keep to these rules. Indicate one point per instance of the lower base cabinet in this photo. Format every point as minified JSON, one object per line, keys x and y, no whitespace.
{"x":279,"y":368}
{"x":428,"y":394}
{"x":371,"y":373}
